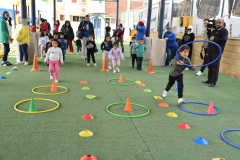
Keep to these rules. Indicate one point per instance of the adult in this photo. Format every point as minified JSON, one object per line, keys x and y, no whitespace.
{"x":204,"y":47}
{"x":5,"y":36}
{"x":86,"y":28}
{"x":68,"y":31}
{"x":56,"y":25}
{"x":48,"y":26}
{"x":23,"y":39}
{"x":172,"y":45}
{"x":108,"y":30}
{"x":140,"y":31}
{"x":119,"y":36}
{"x":43,"y":25}
{"x":132,"y":33}
{"x":189,"y":36}
{"x":219,"y":35}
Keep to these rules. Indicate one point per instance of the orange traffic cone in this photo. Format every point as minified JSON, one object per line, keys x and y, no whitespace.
{"x":150,"y":67}
{"x":35,"y":64}
{"x":105,"y":67}
{"x":163,"y":105}
{"x":121,"y":79}
{"x":210,"y":108}
{"x":141,"y":84}
{"x":53,"y":89}
{"x":128,"y":106}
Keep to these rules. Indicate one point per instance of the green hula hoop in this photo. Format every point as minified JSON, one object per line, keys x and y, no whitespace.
{"x":127,"y":116}
{"x":122,"y":84}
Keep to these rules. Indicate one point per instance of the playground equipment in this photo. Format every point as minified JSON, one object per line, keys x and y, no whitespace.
{"x":150,"y":67}
{"x":35,"y":64}
{"x":87,"y":117}
{"x":84,"y":82}
{"x":89,"y":157}
{"x":33,"y":90}
{"x":105,"y":67}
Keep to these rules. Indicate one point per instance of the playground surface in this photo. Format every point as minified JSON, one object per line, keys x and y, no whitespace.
{"x":55,"y":135}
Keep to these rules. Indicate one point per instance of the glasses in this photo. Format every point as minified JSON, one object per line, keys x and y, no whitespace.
{"x":189,"y":29}
{"x":7,"y":14}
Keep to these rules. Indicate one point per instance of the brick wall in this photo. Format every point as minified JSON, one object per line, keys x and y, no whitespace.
{"x":111,"y":7}
{"x":135,"y":4}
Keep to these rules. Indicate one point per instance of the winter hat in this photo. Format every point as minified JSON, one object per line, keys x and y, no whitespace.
{"x":190,"y":27}
{"x":141,"y":23}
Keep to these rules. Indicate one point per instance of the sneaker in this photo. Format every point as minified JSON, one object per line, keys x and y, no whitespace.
{"x":51,"y":77}
{"x":85,"y":59}
{"x":114,"y":71}
{"x":186,"y":69}
{"x":95,"y":64}
{"x":47,"y":65}
{"x":26,"y":63}
{"x":129,"y":56}
{"x":199,"y":73}
{"x":109,"y":67}
{"x":56,"y":81}
{"x":9,"y":63}
{"x":71,"y":52}
{"x":77,"y":53}
{"x":180,"y":100}
{"x":118,"y":70}
{"x":88,"y":64}
{"x":4,"y":64}
{"x":165,"y":93}
{"x":19,"y":62}
{"x":41,"y":57}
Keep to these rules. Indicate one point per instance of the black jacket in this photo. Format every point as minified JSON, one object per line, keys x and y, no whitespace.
{"x":91,"y":29}
{"x":220,"y":37}
{"x":188,"y":38}
{"x":78,"y":43}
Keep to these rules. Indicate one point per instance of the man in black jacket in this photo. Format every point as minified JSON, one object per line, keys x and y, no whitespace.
{"x":86,"y":28}
{"x":219,"y":36}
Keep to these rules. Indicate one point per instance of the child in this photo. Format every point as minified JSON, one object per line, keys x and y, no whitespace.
{"x":79,"y":45}
{"x":90,"y":50}
{"x":43,"y":41}
{"x":64,"y":45}
{"x":114,"y":54}
{"x":133,"y":53}
{"x":176,"y":72}
{"x":54,"y":54}
{"x":106,"y":46}
{"x":140,"y":49}
{"x":48,"y":46}
{"x":55,"y":35}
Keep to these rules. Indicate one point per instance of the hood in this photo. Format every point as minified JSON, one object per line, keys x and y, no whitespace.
{"x":190,"y":27}
{"x":141,"y":23}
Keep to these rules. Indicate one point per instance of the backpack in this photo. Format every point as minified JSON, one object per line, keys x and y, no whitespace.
{"x":79,"y":33}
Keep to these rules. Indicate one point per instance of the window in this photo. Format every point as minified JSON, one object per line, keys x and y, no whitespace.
{"x":107,"y":20}
{"x":82,"y":19}
{"x":236,"y":8}
{"x":185,"y":8}
{"x":62,"y":17}
{"x":113,"y":20}
{"x":75,"y":18}
{"x":208,"y":9}
{"x":175,"y":10}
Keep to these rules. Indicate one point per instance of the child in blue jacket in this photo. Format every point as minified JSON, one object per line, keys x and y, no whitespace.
{"x":64,"y":44}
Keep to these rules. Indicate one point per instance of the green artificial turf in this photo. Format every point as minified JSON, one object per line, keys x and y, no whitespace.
{"x":54,"y":135}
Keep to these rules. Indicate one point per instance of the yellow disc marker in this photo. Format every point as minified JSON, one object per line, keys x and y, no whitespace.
{"x":158,"y":97}
{"x":39,"y":99}
{"x":138,"y":82}
{"x":85,"y":133}
{"x":172,"y":114}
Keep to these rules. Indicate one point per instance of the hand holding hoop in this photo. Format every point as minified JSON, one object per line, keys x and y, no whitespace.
{"x":201,"y":41}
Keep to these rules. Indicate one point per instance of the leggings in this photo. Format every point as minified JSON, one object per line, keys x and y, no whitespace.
{"x":116,"y":62}
{"x":54,"y":66}
{"x":42,"y":49}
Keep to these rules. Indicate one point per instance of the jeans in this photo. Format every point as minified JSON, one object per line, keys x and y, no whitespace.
{"x":171,"y":82}
{"x":213,"y":69}
{"x":6,"y":51}
{"x":84,"y":42}
{"x":121,"y":42}
{"x":171,"y":52}
{"x":134,"y":58}
{"x":23,"y":51}
{"x":204,"y":60}
{"x":139,"y":62}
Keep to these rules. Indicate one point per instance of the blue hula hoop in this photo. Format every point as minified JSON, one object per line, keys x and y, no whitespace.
{"x":201,"y":41}
{"x":229,"y":130}
{"x":203,"y":114}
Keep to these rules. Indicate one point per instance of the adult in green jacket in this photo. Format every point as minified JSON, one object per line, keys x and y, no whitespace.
{"x":5,"y":36}
{"x":68,"y":31}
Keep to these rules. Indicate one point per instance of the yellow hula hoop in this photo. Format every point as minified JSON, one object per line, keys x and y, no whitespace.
{"x":33,"y":90}
{"x":40,"y":99}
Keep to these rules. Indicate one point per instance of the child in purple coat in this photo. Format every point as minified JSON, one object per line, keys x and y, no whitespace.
{"x":114,"y":57}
